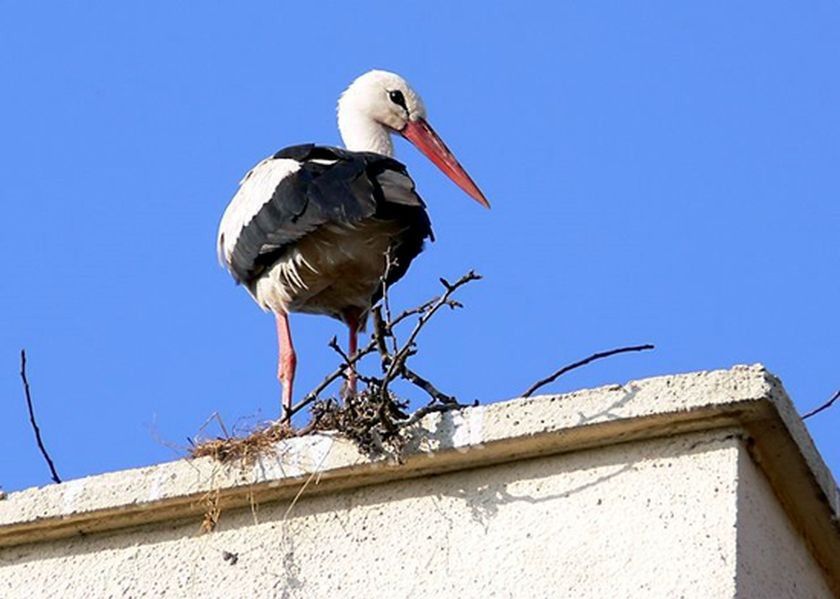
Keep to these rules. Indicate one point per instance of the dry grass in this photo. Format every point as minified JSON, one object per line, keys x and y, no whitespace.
{"x":243,"y":449}
{"x":372,"y":422}
{"x":212,"y":513}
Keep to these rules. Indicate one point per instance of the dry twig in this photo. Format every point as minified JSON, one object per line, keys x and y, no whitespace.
{"x":375,"y":418}
{"x":38,"y":439}
{"x":398,"y":361}
{"x":245,"y":449}
{"x":393,"y":362}
{"x":584,"y":362}
{"x":427,"y":386}
{"x":212,"y":512}
{"x":390,"y":263}
{"x":824,"y":406}
{"x":334,"y":375}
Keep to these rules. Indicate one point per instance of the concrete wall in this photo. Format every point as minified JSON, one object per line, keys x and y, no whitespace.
{"x":773,"y":559}
{"x":668,"y":497}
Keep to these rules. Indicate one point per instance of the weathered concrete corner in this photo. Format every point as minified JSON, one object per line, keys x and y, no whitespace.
{"x":738,"y":412}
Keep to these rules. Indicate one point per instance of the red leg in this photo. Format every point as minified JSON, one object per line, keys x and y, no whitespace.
{"x":286,"y":362}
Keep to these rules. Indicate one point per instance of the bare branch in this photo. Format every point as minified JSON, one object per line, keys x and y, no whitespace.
{"x":38,"y":439}
{"x":389,"y":264}
{"x":424,"y":307}
{"x":427,"y":386}
{"x":584,"y":362}
{"x":218,"y":418}
{"x":375,"y":415}
{"x":824,"y":406}
{"x":379,"y":333}
{"x":443,"y":300}
{"x":432,"y":408}
{"x":336,"y":374}
{"x":333,"y":344}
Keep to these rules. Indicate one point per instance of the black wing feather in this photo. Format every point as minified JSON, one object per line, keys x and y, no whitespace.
{"x":356,"y":186}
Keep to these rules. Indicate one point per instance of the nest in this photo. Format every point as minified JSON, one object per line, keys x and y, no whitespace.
{"x":374,"y":418}
{"x":245,"y":449}
{"x":372,"y":421}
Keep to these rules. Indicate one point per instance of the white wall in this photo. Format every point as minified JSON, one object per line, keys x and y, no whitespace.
{"x":651,"y":519}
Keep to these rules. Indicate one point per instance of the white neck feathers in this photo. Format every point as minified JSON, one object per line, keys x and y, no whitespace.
{"x":360,"y":133}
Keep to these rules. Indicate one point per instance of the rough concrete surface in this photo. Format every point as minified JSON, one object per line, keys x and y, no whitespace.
{"x":773,"y":559}
{"x":698,"y":485}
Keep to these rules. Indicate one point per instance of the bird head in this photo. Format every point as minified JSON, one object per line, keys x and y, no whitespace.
{"x":380,"y":103}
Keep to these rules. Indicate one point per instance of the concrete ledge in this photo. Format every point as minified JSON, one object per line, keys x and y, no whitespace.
{"x":745,"y":398}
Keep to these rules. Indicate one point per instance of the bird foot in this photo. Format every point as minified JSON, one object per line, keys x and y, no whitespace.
{"x":348,"y":390}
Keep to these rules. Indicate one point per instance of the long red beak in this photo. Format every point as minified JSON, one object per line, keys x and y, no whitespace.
{"x":424,"y":138}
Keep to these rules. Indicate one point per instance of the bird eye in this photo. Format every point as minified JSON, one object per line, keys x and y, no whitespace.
{"x":397,"y":98}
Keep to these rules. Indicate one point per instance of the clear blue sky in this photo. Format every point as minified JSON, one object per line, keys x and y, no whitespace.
{"x":660,"y":172}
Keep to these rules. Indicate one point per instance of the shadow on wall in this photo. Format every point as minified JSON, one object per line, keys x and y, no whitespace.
{"x":484,"y":501}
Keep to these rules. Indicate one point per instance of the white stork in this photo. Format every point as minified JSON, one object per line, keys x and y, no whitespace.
{"x":309,"y":228}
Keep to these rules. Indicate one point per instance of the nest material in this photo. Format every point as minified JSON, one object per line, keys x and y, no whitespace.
{"x":374,"y":418}
{"x":372,"y":422}
{"x":245,"y":449}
